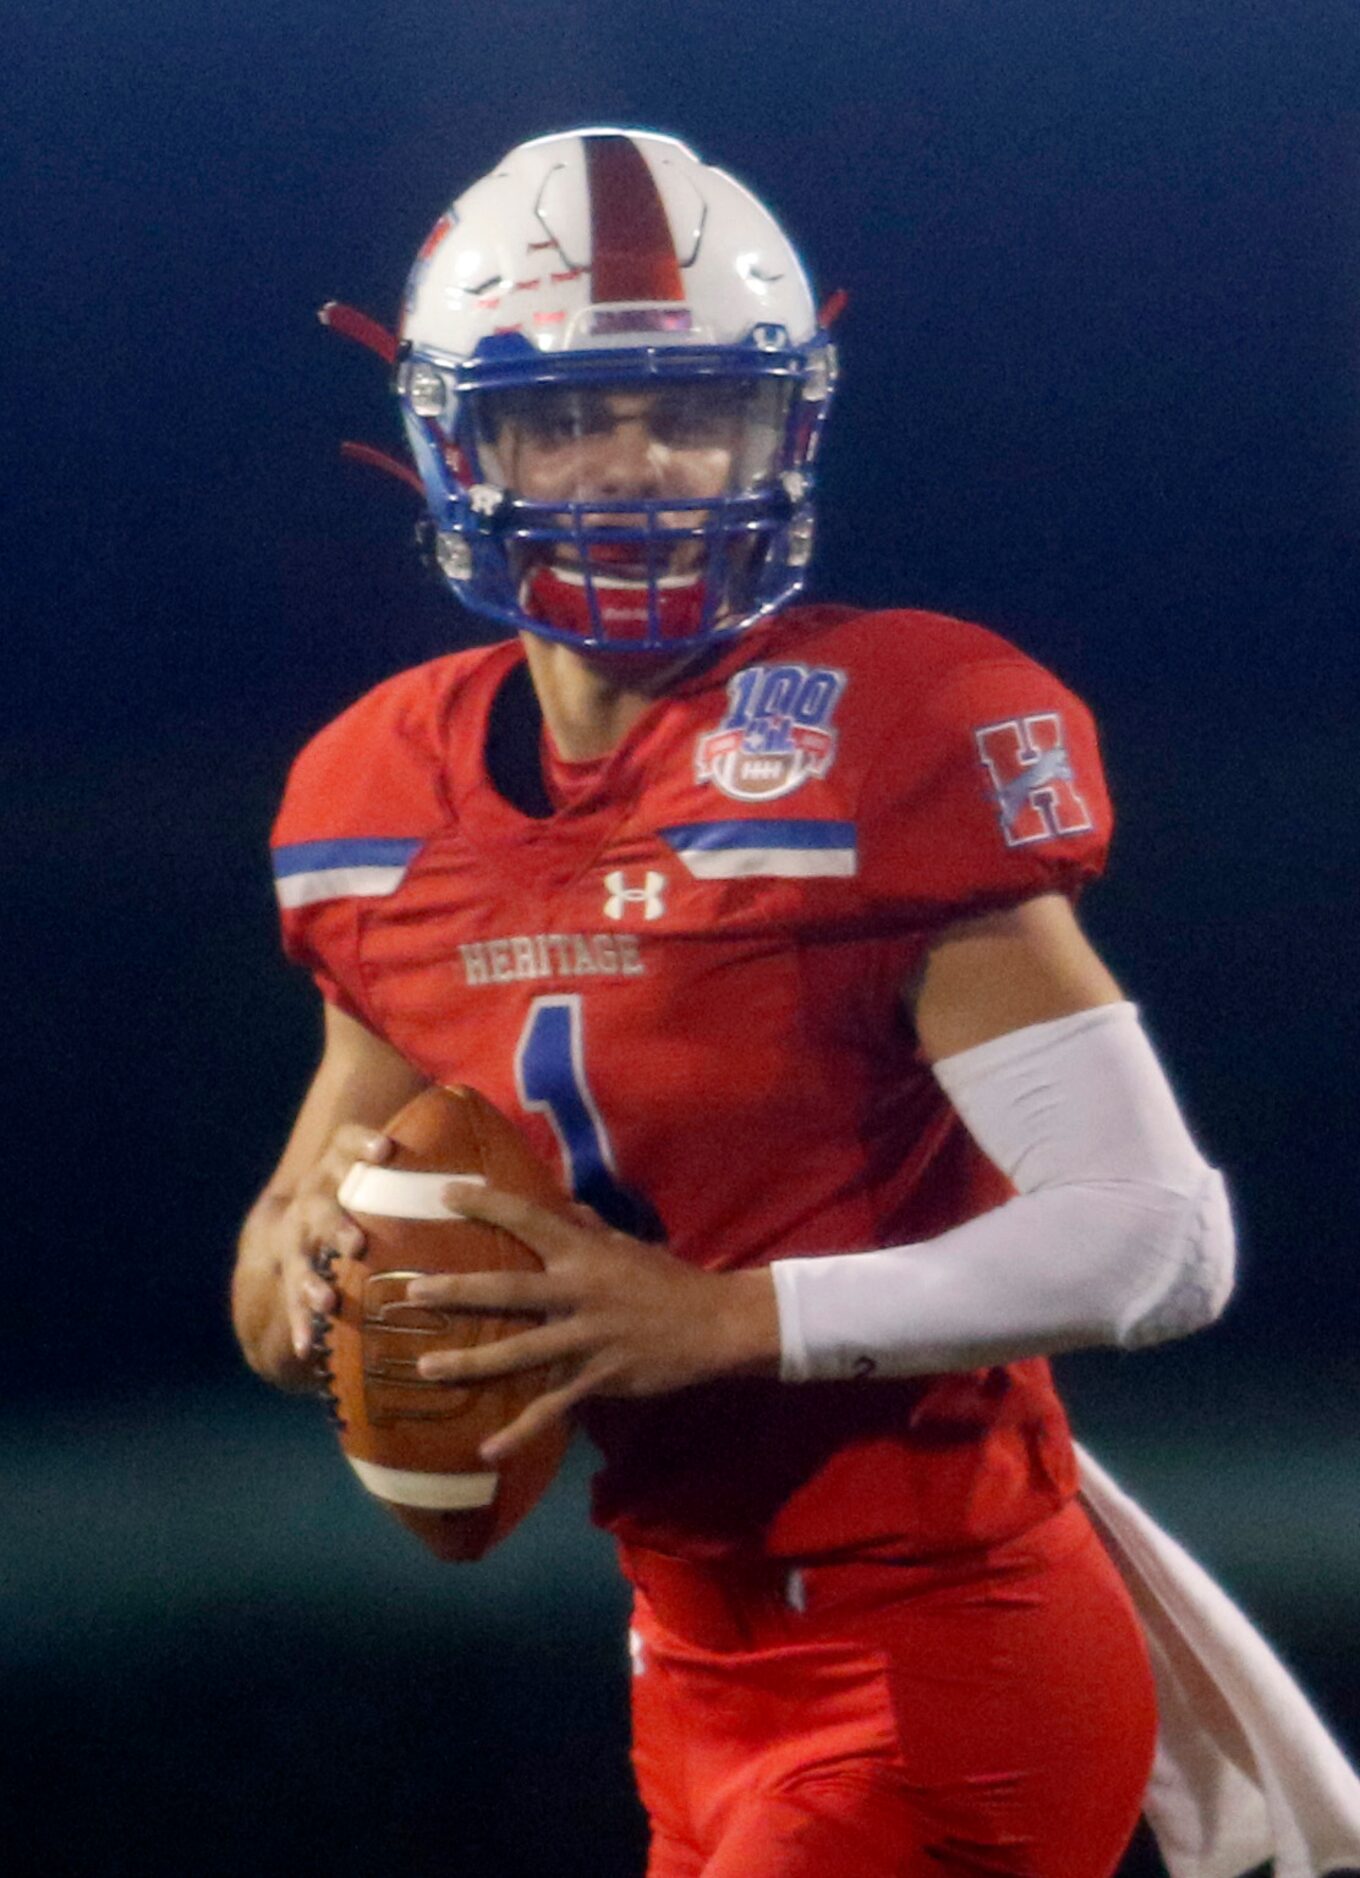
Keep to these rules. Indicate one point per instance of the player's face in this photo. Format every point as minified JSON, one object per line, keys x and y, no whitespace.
{"x":691,"y":441}
{"x":568,"y":444}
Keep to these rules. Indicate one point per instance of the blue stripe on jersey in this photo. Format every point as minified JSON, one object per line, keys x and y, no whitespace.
{"x":756,"y":832}
{"x":311,"y":857}
{"x":766,"y":849}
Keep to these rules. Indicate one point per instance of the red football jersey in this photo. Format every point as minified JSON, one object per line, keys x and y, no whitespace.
{"x":686,"y":986}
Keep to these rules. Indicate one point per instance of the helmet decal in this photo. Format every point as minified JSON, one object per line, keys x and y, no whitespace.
{"x":633,"y":253}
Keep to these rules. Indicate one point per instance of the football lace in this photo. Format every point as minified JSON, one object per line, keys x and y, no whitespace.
{"x":322,"y":1350}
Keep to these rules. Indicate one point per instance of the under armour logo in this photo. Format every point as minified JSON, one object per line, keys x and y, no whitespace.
{"x":1032,"y":777}
{"x":650,"y":896}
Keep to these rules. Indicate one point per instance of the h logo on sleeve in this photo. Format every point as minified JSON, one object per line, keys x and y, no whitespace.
{"x":1031,"y":775}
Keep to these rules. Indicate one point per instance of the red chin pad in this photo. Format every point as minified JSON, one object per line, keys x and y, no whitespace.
{"x":624,"y":609}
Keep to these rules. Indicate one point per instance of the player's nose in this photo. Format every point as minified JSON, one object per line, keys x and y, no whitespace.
{"x":632,"y":462}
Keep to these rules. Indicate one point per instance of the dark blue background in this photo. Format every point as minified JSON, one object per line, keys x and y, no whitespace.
{"x":1102,"y":391}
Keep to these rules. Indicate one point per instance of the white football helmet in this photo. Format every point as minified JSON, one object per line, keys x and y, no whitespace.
{"x":601,"y":279}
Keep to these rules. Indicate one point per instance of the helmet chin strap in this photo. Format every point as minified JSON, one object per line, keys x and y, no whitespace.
{"x":622,"y":613}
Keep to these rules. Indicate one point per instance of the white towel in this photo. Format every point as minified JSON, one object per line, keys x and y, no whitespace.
{"x":1244,"y":1771}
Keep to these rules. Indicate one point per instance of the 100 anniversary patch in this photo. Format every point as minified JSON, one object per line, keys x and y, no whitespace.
{"x":776,"y":733}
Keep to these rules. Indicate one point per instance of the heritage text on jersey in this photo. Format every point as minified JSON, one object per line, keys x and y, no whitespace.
{"x":552,"y":955}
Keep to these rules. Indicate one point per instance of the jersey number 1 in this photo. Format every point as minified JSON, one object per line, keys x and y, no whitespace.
{"x":551,"y":1079}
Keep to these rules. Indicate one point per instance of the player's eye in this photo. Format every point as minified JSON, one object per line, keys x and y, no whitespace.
{"x":594,"y":418}
{"x":552,"y":423}
{"x":545,"y":418}
{"x":704,"y":417}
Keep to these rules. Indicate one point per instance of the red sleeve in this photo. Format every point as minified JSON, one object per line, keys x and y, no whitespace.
{"x":361,"y":800}
{"x":986,"y":791}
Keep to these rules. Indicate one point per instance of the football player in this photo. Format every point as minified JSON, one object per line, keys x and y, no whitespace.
{"x":758,"y":917}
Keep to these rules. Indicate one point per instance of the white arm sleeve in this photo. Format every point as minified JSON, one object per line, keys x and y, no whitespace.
{"x":1119,"y":1232}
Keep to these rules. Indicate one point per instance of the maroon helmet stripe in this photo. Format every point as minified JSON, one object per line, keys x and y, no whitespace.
{"x":634,"y":255}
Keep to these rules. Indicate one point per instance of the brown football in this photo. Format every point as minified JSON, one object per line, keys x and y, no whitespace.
{"x":412,"y":1442}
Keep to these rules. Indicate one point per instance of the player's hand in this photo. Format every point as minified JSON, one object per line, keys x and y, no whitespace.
{"x":315,"y":1226}
{"x":621,"y":1317}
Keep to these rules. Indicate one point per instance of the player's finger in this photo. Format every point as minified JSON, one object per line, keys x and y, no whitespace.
{"x":304,"y":1312}
{"x":533,"y":1292}
{"x":316,"y":1293}
{"x":545,"y":1232}
{"x":351,"y":1142}
{"x":342,"y":1236}
{"x":507,"y":1356}
{"x":541,"y":1413}
{"x":325,"y":1228}
{"x":300,"y":1328}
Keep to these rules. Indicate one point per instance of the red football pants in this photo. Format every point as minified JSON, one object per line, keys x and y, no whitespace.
{"x":990,"y":1715}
